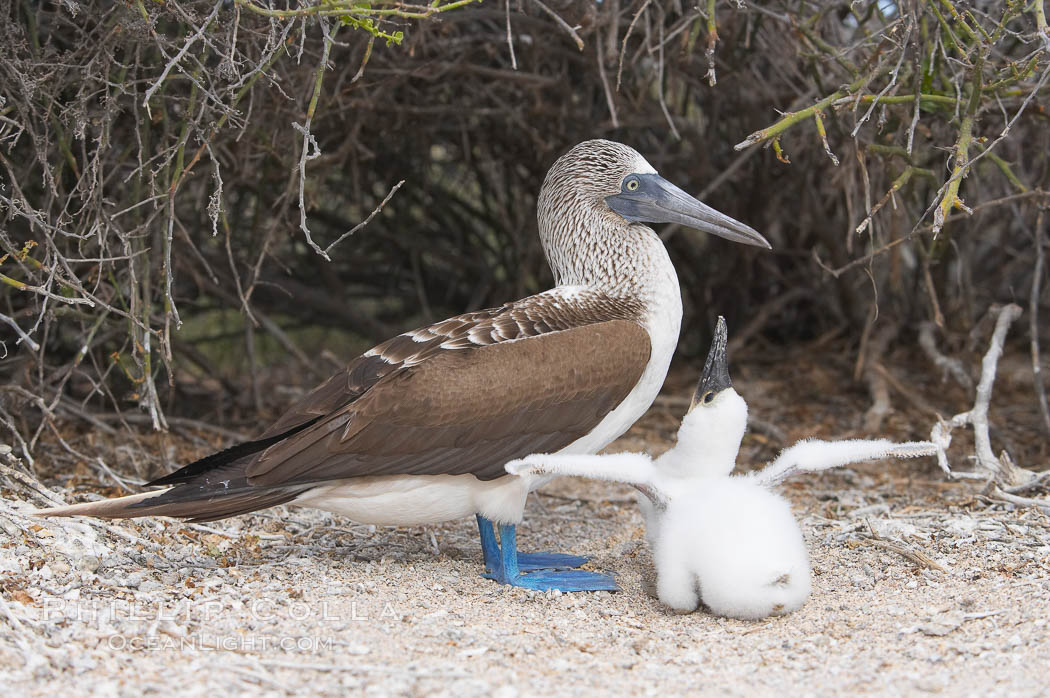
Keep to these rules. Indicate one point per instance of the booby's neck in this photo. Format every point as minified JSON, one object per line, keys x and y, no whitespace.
{"x":618,"y":259}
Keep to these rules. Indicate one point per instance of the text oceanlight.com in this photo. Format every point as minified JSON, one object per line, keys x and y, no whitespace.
{"x":109,"y":612}
{"x":204,"y":642}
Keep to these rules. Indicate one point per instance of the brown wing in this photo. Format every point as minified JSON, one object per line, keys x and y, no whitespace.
{"x":529,"y":317}
{"x":461,"y":396}
{"x":459,"y":410}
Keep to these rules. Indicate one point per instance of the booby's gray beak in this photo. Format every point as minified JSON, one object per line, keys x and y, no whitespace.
{"x":715,"y":377}
{"x":649,"y":198}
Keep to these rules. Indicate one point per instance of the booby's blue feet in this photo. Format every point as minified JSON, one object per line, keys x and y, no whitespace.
{"x":540,"y":571}
{"x":529,"y":562}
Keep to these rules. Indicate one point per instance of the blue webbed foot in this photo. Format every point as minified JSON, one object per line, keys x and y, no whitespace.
{"x":565,"y":580}
{"x":541,"y":571}
{"x":528,"y":562}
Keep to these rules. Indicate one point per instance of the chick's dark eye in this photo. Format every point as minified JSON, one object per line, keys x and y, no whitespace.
{"x":631,"y":184}
{"x":708,"y":397}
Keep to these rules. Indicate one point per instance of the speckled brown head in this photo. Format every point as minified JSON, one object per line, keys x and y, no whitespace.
{"x":593,"y":199}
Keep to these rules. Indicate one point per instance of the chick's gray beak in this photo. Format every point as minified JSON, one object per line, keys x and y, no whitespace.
{"x":655,"y":200}
{"x":715,"y":377}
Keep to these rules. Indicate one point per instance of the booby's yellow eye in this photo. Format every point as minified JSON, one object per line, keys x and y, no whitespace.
{"x":631,"y":184}
{"x":708,"y":397}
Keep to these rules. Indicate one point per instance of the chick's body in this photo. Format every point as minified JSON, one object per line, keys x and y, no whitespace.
{"x":733,"y":544}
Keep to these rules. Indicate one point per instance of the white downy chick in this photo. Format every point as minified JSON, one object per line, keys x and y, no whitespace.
{"x":726,"y":540}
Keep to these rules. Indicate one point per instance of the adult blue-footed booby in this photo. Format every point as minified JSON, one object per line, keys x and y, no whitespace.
{"x":418,"y":429}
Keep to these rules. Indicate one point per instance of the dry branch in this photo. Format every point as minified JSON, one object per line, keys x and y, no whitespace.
{"x":1034,"y":299}
{"x":947,"y":365}
{"x":1002,"y":469}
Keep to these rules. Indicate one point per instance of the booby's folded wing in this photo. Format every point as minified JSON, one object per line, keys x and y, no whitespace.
{"x":461,"y":396}
{"x":468,"y":410}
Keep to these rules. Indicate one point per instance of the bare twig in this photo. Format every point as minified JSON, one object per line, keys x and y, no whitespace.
{"x":948,"y":366}
{"x":961,"y":152}
{"x":510,"y":37}
{"x":605,"y":82}
{"x":1042,"y":504}
{"x":310,"y":149}
{"x":891,"y":84}
{"x":919,"y":558}
{"x":179,"y":56}
{"x":822,"y":132}
{"x":1001,"y":470}
{"x":941,"y":201}
{"x":32,"y":485}
{"x":866,"y":259}
{"x":712,"y":42}
{"x":660,"y":85}
{"x":792,"y":118}
{"x":1033,"y":319}
{"x":561,"y":23}
{"x":907,"y":392}
{"x":1040,"y":480}
{"x":623,"y":44}
{"x":875,"y":379}
{"x":22,"y":336}
{"x":366,"y":221}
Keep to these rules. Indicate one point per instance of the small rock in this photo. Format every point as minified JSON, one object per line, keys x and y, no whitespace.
{"x":860,"y":580}
{"x":941,"y":625}
{"x":89,"y":563}
{"x":930,"y":685}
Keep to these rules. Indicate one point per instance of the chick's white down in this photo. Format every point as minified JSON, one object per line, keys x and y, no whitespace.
{"x":726,"y":540}
{"x":736,"y":546}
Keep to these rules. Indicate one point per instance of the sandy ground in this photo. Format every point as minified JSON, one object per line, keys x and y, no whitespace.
{"x":920,"y":586}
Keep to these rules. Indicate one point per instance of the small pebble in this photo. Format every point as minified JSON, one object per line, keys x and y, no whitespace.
{"x":88,"y":564}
